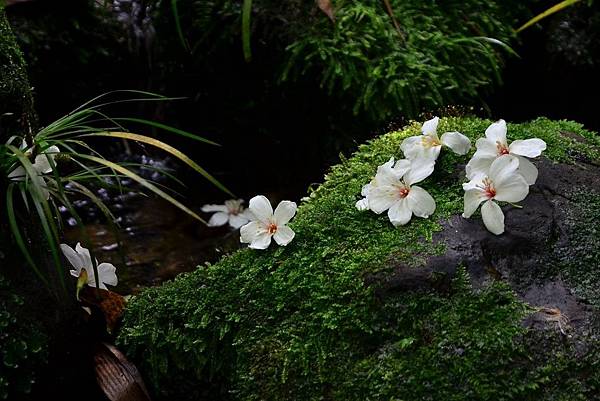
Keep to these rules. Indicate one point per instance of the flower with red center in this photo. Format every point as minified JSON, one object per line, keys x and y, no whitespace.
{"x":231,"y":212}
{"x":504,"y":183}
{"x":267,"y":224}
{"x":392,"y":189}
{"x":495,"y":145}
{"x":428,"y":145}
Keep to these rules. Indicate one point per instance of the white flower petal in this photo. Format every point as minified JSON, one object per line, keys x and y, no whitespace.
{"x":43,"y":186}
{"x":284,"y":235}
{"x":365,"y":189}
{"x":107,"y":273}
{"x":493,"y":217}
{"x":382,"y":198}
{"x":479,"y":166}
{"x":252,"y":231}
{"x":73,"y":257}
{"x":456,"y":141}
{"x":527,"y":170}
{"x":419,"y":170}
{"x":400,"y":214}
{"x":261,"y":208}
{"x":401,"y":167}
{"x":362,"y":204}
{"x":496,"y":132}
{"x":513,"y":189}
{"x":420,"y":202}
{"x":503,"y":168}
{"x":84,"y":254}
{"x":430,"y":126}
{"x":236,"y":221}
{"x":529,"y":147}
{"x":214,"y":208}
{"x":261,"y":241}
{"x":18,"y":174}
{"x":218,"y":219}
{"x":411,"y":146}
{"x":42,"y":164}
{"x":486,"y":148}
{"x":473,"y":197}
{"x":284,"y":212}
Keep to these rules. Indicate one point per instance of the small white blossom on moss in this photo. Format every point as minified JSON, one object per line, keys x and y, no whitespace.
{"x":495,"y":145}
{"x":504,"y":183}
{"x":267,"y":224}
{"x":41,"y":165}
{"x":231,"y":212}
{"x":393,"y":190}
{"x":428,"y":145}
{"x":81,"y":261}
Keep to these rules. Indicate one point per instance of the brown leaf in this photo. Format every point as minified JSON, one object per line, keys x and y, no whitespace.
{"x":327,"y":7}
{"x":110,"y":304}
{"x":117,"y":377}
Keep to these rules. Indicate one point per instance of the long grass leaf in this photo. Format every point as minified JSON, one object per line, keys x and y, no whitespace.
{"x":14,"y":226}
{"x":166,"y":148}
{"x":554,"y":9}
{"x":142,"y":182}
{"x":167,"y":128}
{"x":246,"y":12}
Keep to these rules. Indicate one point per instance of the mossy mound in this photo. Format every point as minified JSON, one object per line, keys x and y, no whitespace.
{"x":355,"y":309}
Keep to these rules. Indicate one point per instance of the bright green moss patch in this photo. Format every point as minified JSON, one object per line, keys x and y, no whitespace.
{"x":299,"y":323}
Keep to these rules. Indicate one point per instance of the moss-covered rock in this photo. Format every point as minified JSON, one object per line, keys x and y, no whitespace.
{"x":356,"y":309}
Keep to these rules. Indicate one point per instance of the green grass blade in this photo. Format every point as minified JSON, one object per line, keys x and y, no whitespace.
{"x":167,"y":128}
{"x":142,"y":182}
{"x":175,"y":11}
{"x":166,"y":148}
{"x":554,"y":9}
{"x":246,"y":12}
{"x":12,"y":221}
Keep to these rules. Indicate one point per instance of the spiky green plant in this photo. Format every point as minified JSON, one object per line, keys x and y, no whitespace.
{"x":71,"y":134}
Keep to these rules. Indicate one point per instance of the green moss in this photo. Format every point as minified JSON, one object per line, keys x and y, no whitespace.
{"x":15,"y":91}
{"x":300,"y":323}
{"x":23,"y":347}
{"x":578,"y":261}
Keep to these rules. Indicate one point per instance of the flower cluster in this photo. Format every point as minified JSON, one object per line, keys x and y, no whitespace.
{"x":498,"y":171}
{"x":393,"y":187}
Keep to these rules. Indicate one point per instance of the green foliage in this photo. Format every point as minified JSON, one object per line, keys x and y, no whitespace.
{"x":43,"y":192}
{"x":299,"y":323}
{"x":443,"y":53}
{"x":23,"y":347}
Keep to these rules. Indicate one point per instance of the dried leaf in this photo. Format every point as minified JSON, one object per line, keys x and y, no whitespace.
{"x":108,"y":302}
{"x":118,"y":378}
{"x":327,"y":7}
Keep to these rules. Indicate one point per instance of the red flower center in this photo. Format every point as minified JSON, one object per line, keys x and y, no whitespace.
{"x":502,"y":149}
{"x":272,"y":228}
{"x":404,"y":192}
{"x":488,"y":188}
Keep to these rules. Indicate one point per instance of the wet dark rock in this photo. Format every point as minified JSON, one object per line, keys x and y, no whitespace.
{"x":525,"y":256}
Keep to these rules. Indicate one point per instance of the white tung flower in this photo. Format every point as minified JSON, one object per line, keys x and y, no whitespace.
{"x":495,"y":145}
{"x":231,"y":212}
{"x":81,"y":260}
{"x":428,"y":145}
{"x":363,"y":204}
{"x":266,"y":223}
{"x":392,"y":189}
{"x":41,"y":165}
{"x":503,"y":182}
